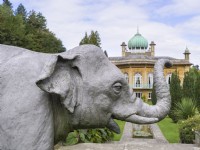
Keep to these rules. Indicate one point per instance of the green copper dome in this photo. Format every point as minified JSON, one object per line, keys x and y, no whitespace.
{"x":137,"y":42}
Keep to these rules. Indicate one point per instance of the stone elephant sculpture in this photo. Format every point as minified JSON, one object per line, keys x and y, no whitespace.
{"x":45,"y":96}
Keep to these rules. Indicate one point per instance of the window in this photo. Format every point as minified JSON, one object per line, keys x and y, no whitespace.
{"x":126,"y":76}
{"x":138,"y":80}
{"x":150,"y":80}
{"x":149,"y":97}
{"x":168,"y":78}
{"x":138,"y":94}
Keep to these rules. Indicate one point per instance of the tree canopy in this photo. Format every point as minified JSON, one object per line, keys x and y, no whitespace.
{"x":93,"y":38}
{"x":27,"y":30}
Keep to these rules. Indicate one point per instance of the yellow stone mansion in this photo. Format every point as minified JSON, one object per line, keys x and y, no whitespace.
{"x":137,"y":64}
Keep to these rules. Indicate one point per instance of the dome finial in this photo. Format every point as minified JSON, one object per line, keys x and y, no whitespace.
{"x":137,"y":29}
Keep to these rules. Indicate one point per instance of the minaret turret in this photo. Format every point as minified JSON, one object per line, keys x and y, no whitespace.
{"x":187,"y":54}
{"x":152,"y":48}
{"x":123,"y":49}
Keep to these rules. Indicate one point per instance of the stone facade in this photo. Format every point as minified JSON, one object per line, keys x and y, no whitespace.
{"x":138,"y":67}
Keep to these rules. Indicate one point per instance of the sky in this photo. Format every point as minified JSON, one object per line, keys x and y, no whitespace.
{"x":172,"y":24}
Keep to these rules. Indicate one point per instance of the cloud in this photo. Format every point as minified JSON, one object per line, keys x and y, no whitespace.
{"x":172,"y":25}
{"x":180,"y":8}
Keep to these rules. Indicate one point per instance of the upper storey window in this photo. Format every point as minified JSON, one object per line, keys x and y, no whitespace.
{"x":138,"y":80}
{"x":150,"y":80}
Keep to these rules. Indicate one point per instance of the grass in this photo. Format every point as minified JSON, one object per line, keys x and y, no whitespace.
{"x":169,"y":130}
{"x":121,"y":124}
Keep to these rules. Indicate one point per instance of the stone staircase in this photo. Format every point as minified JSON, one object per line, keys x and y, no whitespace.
{"x":128,"y":143}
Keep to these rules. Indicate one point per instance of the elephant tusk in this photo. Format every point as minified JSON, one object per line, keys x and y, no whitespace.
{"x":112,"y":125}
{"x":141,"y":120}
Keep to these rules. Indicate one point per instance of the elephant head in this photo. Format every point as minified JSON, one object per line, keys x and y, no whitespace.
{"x":94,"y":91}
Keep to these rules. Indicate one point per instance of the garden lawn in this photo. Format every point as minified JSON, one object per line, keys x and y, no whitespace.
{"x":170,"y":130}
{"x":121,"y":124}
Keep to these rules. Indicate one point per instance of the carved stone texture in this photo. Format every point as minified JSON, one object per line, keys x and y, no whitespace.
{"x":45,"y":96}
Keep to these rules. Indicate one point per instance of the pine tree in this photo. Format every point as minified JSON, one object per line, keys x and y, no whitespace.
{"x":197,"y":91}
{"x":21,"y":10}
{"x":93,"y":38}
{"x":27,"y":31}
{"x":176,"y":94}
{"x":188,"y":85}
{"x":36,"y":21}
{"x":85,"y":39}
{"x":7,"y":3}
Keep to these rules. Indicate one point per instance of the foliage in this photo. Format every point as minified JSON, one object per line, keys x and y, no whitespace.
{"x":89,"y":136}
{"x":7,"y":3}
{"x":12,"y":29}
{"x":93,"y":38}
{"x":197,"y":91}
{"x":27,"y":30}
{"x":186,"y":129}
{"x":144,"y":98}
{"x":153,"y":96}
{"x":176,"y":94}
{"x":189,"y":83}
{"x":21,"y":10}
{"x":185,"y":108}
{"x":169,"y":130}
{"x":36,"y":21}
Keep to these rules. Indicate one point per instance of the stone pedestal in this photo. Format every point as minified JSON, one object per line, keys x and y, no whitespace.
{"x":197,"y":138}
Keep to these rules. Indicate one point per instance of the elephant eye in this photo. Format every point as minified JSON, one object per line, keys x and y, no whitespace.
{"x":117,"y":87}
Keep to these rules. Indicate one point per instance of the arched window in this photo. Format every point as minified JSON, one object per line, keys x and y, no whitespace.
{"x":138,"y":80}
{"x":126,"y":76}
{"x":168,"y":78}
{"x":150,"y":80}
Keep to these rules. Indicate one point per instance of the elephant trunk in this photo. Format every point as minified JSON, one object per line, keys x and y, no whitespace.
{"x":145,"y":113}
{"x":153,"y":113}
{"x":162,"y":107}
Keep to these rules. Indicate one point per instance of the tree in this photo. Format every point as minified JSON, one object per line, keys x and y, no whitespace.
{"x":197,"y":91}
{"x":27,"y":30}
{"x":93,"y":38}
{"x":12,"y":28}
{"x":21,"y":10}
{"x":176,"y":94}
{"x":7,"y":3}
{"x":36,"y":21}
{"x":85,"y":39}
{"x":188,"y":84}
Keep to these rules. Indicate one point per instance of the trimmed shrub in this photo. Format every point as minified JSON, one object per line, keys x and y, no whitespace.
{"x":187,"y":128}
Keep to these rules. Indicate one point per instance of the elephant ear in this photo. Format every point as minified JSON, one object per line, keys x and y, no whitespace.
{"x":57,"y":77}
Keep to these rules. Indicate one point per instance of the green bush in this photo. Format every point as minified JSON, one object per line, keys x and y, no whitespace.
{"x":184,"y":109}
{"x":187,"y":128}
{"x":89,"y":136}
